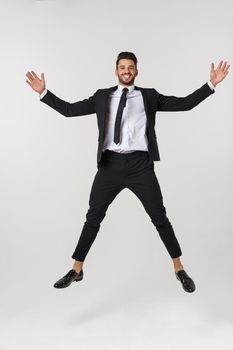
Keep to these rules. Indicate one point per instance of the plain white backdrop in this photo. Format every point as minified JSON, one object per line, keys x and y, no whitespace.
{"x":129,"y":298}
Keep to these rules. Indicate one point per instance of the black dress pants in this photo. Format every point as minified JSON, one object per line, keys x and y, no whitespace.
{"x":134,"y":171}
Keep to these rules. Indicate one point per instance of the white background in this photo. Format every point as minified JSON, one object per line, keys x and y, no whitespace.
{"x":129,"y":298}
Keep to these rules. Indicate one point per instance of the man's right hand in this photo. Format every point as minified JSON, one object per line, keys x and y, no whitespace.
{"x":35,"y":82}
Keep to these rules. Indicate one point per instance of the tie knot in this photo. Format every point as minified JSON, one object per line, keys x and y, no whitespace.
{"x":125,"y":90}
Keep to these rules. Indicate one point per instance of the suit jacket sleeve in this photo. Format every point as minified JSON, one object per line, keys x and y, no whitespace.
{"x":79,"y":108}
{"x":173,"y":103}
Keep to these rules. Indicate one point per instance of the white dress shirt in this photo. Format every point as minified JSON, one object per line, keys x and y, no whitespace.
{"x":133,"y":125}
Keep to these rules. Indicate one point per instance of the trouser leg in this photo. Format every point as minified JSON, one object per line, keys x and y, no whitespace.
{"x":106,"y":185}
{"x":144,"y":184}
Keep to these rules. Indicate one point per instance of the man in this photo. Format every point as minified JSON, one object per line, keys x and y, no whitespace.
{"x":127,"y":149}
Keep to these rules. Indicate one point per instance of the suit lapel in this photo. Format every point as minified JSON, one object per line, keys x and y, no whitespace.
{"x":144,"y":100}
{"x":104,"y":108}
{"x":145,"y":97}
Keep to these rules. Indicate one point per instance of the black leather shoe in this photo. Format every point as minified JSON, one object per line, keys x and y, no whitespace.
{"x":70,"y":277}
{"x":186,"y":281}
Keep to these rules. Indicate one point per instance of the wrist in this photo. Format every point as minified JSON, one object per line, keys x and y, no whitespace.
{"x":212,"y":82}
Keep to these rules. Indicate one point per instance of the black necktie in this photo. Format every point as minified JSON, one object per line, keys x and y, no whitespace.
{"x":121,"y":106}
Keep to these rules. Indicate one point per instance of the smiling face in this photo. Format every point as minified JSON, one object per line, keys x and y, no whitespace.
{"x":126,"y":72}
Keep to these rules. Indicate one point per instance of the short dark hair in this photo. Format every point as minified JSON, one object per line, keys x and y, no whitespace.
{"x":128,"y":56}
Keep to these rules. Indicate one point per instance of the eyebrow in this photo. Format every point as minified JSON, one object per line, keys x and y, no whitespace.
{"x":122,"y":66}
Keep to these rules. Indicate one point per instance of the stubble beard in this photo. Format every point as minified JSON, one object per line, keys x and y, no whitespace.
{"x":127,"y":83}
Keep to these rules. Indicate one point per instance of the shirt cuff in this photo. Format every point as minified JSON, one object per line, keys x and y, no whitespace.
{"x":43,"y":94}
{"x":211,"y":85}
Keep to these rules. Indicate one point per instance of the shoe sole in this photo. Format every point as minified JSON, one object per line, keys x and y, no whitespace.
{"x":79,"y":279}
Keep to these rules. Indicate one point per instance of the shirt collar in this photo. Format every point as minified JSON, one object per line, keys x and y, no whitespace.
{"x":121,"y":87}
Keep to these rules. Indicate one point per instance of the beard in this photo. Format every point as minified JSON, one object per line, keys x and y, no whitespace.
{"x":124,"y":81}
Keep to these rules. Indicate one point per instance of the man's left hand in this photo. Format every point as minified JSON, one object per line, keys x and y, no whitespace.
{"x":220,"y":73}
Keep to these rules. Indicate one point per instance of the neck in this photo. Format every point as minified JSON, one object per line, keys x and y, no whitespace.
{"x":126,"y":85}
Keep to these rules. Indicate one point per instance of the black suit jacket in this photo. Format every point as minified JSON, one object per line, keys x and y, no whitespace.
{"x":153,"y":102}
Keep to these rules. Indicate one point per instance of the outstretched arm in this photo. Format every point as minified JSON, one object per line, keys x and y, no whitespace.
{"x":84,"y":107}
{"x":173,"y":103}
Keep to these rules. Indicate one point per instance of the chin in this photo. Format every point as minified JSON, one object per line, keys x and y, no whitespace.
{"x":130,"y":82}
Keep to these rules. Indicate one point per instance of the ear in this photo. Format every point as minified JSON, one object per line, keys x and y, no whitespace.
{"x":115,"y":71}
